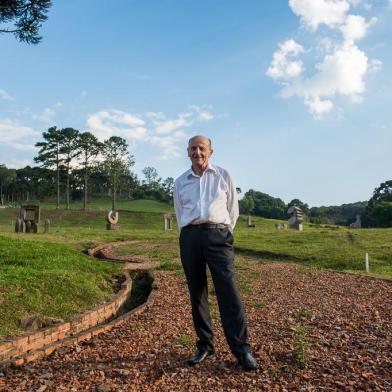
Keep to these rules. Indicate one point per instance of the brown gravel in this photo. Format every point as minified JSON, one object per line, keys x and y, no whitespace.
{"x":348,"y":346}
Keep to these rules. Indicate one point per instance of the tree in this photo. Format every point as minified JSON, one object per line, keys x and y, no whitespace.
{"x":49,"y":154}
{"x":23,"y":18}
{"x":6,"y":177}
{"x":117,"y":162}
{"x":382,"y":214}
{"x":377,"y":211}
{"x":152,"y":179}
{"x":69,"y":151}
{"x":266,"y":205}
{"x":298,"y":203}
{"x":168,"y":186}
{"x":382,"y":193}
{"x":247,"y":204}
{"x":89,"y":148}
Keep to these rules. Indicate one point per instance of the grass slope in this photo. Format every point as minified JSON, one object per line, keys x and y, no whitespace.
{"x":48,"y":279}
{"x":72,"y":281}
{"x":337,"y":248}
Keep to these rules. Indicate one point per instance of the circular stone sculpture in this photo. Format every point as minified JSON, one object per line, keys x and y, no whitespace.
{"x":112,"y":217}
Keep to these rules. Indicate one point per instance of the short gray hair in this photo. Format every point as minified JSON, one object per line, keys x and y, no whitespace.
{"x":194,"y":137}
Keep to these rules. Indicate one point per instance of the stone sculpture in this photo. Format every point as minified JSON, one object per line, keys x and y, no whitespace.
{"x":296,"y":218}
{"x":47,"y":225}
{"x":111,"y":220}
{"x":358,"y":223}
{"x":168,"y":221}
{"x":249,"y":222}
{"x":29,"y":217}
{"x":281,"y":226}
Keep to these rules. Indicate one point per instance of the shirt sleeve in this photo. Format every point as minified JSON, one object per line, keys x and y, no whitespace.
{"x":177,"y":205}
{"x":232,"y":203}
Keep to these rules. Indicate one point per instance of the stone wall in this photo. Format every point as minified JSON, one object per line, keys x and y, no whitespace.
{"x":30,"y":346}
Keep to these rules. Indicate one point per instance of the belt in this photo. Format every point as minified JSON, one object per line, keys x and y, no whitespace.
{"x":208,"y":226}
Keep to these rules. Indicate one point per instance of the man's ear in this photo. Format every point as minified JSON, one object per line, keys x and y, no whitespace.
{"x":189,"y":153}
{"x":211,"y":151}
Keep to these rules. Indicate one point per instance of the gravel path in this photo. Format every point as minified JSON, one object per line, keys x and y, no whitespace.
{"x":311,"y":330}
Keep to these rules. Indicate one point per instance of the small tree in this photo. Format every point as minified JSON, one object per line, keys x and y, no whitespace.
{"x":23,"y":18}
{"x":117,"y":162}
{"x":89,"y":148}
{"x":378,"y":209}
{"x":168,"y":186}
{"x":298,"y":203}
{"x":152,"y":179}
{"x":69,"y":150}
{"x":49,"y":155}
{"x":247,"y":204}
{"x":6,"y":178}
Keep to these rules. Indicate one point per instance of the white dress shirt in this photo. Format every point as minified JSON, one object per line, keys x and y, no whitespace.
{"x":209,"y":198}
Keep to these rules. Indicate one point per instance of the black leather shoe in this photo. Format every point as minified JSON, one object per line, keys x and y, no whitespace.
{"x":247,"y":361}
{"x":200,"y":356}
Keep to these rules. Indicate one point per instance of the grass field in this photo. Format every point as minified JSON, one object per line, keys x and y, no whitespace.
{"x":48,"y":274}
{"x":48,"y":280}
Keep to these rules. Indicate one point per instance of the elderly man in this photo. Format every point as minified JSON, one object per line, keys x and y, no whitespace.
{"x":206,"y":207}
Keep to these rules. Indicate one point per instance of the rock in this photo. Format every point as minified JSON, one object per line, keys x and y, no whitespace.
{"x":46,"y":375}
{"x":30,"y":322}
{"x":48,"y":321}
{"x":104,"y":388}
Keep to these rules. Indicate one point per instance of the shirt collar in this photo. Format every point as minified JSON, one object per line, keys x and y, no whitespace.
{"x":209,"y":167}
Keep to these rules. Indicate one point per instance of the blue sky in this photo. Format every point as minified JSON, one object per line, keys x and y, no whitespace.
{"x":295,"y":94}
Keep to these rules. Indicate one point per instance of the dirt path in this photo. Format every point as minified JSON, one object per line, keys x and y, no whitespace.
{"x":342,"y":324}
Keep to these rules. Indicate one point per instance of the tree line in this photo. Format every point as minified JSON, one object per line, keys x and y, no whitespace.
{"x":377,"y":212}
{"x":75,"y":165}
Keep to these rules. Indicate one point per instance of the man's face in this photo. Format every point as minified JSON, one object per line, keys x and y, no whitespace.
{"x":199,"y":151}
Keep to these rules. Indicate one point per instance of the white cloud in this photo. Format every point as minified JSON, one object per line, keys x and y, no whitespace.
{"x":107,"y":123}
{"x":341,"y":72}
{"x":154,"y":128}
{"x":169,"y":144}
{"x":316,"y":12}
{"x":318,"y":107}
{"x":5,"y":95}
{"x":374,"y":65}
{"x":12,"y":133}
{"x":183,"y":120}
{"x":203,"y":113}
{"x":19,"y":163}
{"x":157,"y":115}
{"x":343,"y":67}
{"x":46,"y":116}
{"x":356,"y":27}
{"x":281,"y":67}
{"x":168,"y":126}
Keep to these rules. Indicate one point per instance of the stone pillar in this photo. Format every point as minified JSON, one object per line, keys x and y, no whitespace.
{"x":168,"y":222}
{"x":47,"y":225}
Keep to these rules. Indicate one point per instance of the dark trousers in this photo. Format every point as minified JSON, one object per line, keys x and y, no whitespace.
{"x":200,"y":247}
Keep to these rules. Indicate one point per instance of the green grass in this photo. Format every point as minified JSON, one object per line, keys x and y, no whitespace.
{"x":48,"y":279}
{"x":48,"y":274}
{"x":121,"y":205}
{"x":341,"y":249}
{"x":183,"y":340}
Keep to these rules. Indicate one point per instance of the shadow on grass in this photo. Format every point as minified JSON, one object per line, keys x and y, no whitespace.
{"x":265,"y":254}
